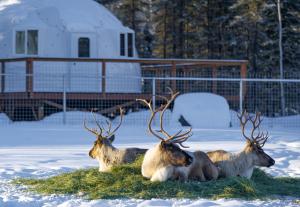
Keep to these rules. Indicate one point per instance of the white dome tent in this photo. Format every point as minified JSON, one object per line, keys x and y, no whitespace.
{"x":66,"y":29}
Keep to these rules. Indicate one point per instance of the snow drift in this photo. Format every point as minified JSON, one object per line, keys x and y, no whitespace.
{"x":202,"y":110}
{"x":4,"y":119}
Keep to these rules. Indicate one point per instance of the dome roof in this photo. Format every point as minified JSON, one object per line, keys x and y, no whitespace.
{"x":73,"y":15}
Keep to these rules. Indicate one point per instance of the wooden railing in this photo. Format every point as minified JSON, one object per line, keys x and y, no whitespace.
{"x":173,"y":63}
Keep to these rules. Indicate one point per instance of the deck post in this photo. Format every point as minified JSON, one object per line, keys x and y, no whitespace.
{"x":103,"y":78}
{"x":29,"y":76}
{"x":2,"y":76}
{"x":241,"y":96}
{"x":64,"y":101}
{"x":244,"y":76}
{"x":173,"y":75}
{"x":153,"y":93}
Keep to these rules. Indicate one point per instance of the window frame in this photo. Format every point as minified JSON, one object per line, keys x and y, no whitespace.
{"x":15,"y":42}
{"x":89,"y":47}
{"x":130,"y":47}
{"x":27,"y":42}
{"x":14,"y":49}
{"x":123,"y":43}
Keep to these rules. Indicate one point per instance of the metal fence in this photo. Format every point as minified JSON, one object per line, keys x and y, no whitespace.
{"x":53,"y":101}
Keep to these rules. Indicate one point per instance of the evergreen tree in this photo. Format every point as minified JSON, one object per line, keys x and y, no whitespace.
{"x":214,"y":29}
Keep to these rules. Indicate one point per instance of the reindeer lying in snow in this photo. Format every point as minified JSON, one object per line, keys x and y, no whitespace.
{"x":242,"y":164}
{"x":168,"y":161}
{"x":103,"y":150}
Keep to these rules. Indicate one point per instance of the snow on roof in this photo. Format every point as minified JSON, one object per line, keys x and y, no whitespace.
{"x":74,"y":15}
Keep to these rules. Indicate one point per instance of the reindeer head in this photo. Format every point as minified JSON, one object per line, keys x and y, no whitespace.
{"x":103,"y":137}
{"x":171,"y":153}
{"x":256,"y":142}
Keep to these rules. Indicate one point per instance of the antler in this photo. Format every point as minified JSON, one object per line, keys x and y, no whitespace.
{"x":244,"y":115}
{"x":260,"y":138}
{"x":101,"y":128}
{"x":94,"y":131}
{"x":178,"y":137}
{"x":153,"y":112}
{"x":109,"y":134}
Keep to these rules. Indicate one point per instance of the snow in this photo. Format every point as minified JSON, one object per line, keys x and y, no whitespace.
{"x":48,"y":147}
{"x":291,"y":122}
{"x":4,"y":119}
{"x":212,"y":106}
{"x":141,"y":119}
{"x":42,"y":150}
{"x":73,"y":118}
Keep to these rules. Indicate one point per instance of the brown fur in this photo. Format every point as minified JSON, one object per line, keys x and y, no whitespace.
{"x":174,"y":155}
{"x":203,"y":168}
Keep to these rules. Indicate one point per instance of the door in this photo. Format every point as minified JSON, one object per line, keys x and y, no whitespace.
{"x":84,"y":76}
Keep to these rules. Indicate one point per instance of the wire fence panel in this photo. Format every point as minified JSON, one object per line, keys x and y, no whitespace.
{"x":51,"y":98}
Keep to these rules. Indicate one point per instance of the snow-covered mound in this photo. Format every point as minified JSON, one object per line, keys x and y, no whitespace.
{"x":74,"y":118}
{"x":4,"y":119}
{"x":202,"y":110}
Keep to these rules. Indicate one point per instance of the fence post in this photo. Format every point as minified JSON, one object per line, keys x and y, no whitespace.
{"x":64,"y":100}
{"x":103,"y":78}
{"x":29,"y":77}
{"x":173,"y":75}
{"x":214,"y":75}
{"x":2,"y":76}
{"x":241,"y":95}
{"x":153,"y":93}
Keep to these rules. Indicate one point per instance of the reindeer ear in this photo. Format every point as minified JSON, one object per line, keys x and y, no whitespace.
{"x":99,"y":139}
{"x":248,"y":143}
{"x":112,"y":138}
{"x":162,"y":144}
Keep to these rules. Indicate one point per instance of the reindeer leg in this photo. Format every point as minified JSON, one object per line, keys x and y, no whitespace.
{"x":181,"y":174}
{"x":211,"y":172}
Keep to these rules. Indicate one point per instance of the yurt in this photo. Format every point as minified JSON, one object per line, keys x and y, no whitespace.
{"x":66,"y":29}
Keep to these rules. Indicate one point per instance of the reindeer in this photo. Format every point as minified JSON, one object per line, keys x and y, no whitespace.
{"x":103,"y":150}
{"x":167,"y":160}
{"x":243,"y":163}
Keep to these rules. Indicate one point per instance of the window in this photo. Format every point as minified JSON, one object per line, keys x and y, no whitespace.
{"x":122,"y":44}
{"x":20,"y":42}
{"x":26,"y":42}
{"x":32,"y":42}
{"x":130,"y":44}
{"x":84,"y":47}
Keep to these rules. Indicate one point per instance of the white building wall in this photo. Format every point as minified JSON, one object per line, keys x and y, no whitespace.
{"x":15,"y":77}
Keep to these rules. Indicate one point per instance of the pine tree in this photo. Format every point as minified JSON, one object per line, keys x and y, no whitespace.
{"x":291,"y":33}
{"x":136,"y":15}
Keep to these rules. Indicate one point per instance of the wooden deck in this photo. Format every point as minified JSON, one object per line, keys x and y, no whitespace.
{"x":157,"y":67}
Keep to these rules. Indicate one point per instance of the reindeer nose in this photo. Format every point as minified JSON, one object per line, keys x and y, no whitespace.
{"x":271,"y":162}
{"x":91,"y":154}
{"x":190,"y":160}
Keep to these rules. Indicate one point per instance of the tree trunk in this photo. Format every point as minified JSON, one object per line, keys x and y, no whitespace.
{"x":281,"y":58}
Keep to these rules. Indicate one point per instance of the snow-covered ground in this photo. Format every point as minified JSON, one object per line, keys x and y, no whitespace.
{"x":41,"y":150}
